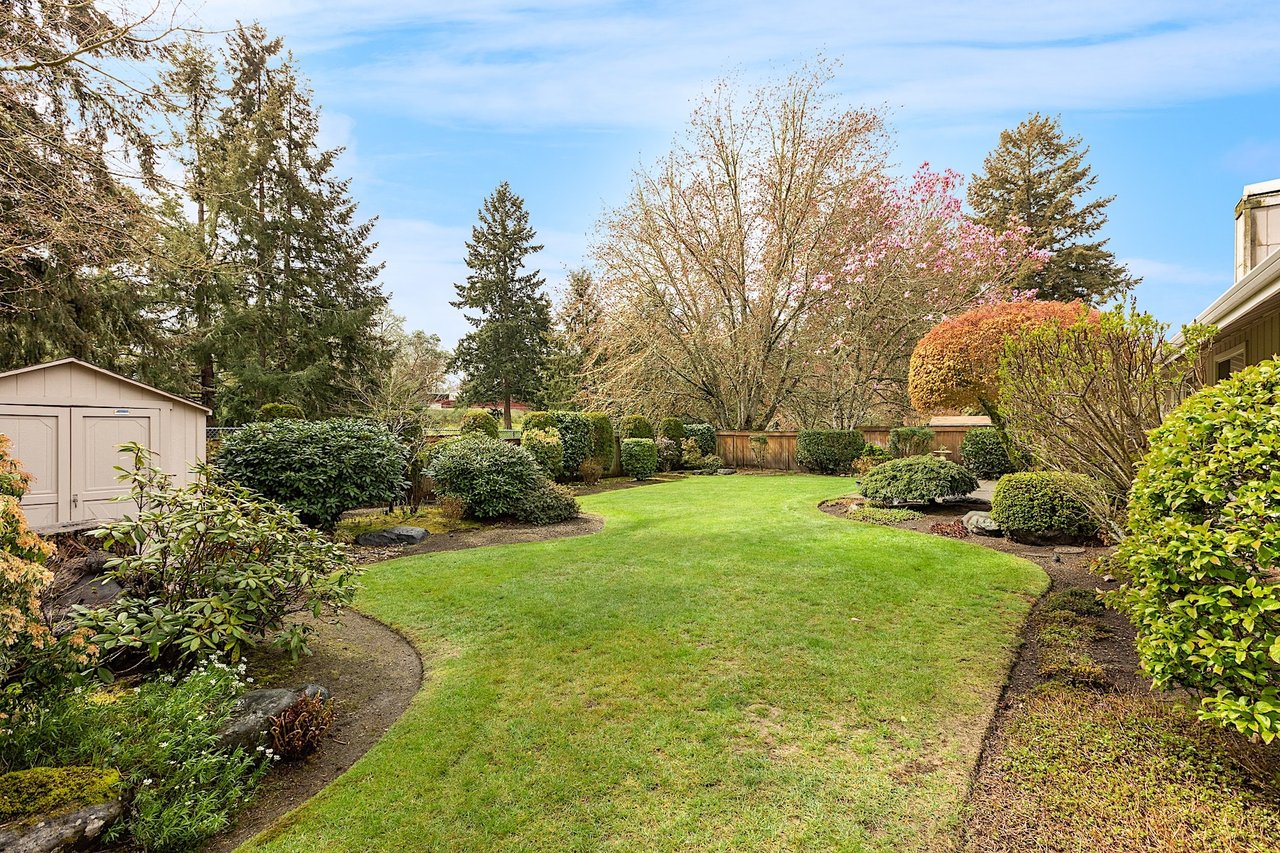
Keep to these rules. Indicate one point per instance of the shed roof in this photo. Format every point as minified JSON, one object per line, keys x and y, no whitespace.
{"x":93,"y":367}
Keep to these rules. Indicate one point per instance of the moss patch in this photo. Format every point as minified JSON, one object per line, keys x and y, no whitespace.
{"x":430,"y":518}
{"x":43,"y":791}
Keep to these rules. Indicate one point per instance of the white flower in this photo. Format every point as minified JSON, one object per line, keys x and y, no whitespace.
{"x":146,"y":781}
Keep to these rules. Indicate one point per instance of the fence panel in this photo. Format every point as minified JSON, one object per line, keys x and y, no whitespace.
{"x":735,"y":446}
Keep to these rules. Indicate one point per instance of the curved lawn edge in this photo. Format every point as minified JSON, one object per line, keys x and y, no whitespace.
{"x":691,"y":643}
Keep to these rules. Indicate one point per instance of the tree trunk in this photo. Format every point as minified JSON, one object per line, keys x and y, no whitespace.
{"x":506,"y":412}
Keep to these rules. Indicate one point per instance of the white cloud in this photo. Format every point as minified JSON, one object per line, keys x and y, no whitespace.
{"x":1169,"y":273}
{"x":602,"y":63}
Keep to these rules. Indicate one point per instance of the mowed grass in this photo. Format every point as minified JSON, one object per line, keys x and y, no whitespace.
{"x":724,"y":667}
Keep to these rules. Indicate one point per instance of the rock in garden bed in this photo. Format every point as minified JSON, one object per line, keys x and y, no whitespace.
{"x":47,"y":809}
{"x":980,"y":523}
{"x":401,"y":534}
{"x":250,"y":723}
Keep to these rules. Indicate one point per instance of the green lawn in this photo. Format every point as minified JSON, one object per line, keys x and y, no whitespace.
{"x":724,"y":667}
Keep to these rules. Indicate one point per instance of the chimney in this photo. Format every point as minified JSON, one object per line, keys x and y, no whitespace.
{"x":1257,"y":225}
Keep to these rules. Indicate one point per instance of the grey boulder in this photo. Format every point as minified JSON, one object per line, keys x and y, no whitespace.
{"x":250,"y":723}
{"x":401,"y":534}
{"x":980,"y":523}
{"x":73,"y":830}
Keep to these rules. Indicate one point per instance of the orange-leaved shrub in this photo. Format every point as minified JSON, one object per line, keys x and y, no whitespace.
{"x":956,"y":364}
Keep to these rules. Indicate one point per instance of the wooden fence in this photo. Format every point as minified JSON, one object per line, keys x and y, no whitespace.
{"x":735,"y":447}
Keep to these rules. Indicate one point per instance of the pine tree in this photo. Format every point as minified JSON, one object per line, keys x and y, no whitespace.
{"x":505,"y":357}
{"x":302,"y":327}
{"x":564,"y":374}
{"x":1038,"y":176}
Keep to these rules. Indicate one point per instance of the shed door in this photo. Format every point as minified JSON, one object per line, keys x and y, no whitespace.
{"x":96,"y":435}
{"x":41,"y":438}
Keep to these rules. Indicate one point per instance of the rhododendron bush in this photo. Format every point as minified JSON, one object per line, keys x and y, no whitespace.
{"x":770,"y":270}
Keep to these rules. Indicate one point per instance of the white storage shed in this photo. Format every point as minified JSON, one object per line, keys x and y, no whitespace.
{"x":67,"y":419}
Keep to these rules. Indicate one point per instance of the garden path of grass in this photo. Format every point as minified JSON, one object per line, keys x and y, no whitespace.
{"x":724,"y":667}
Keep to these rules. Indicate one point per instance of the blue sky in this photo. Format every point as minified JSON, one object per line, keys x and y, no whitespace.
{"x":439,"y":101}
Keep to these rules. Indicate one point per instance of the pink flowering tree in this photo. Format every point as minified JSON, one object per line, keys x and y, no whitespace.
{"x":913,"y":259}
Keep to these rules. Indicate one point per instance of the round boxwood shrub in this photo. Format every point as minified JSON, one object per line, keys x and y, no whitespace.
{"x":277,"y":411}
{"x":639,"y":458}
{"x":318,"y":469}
{"x":915,"y":479}
{"x":601,"y":439}
{"x":548,"y":503}
{"x":546,"y":448}
{"x":1043,"y":507}
{"x":491,"y":477}
{"x":705,"y":435}
{"x":635,"y":426}
{"x":1200,"y":561}
{"x":478,"y":421}
{"x":672,"y":429}
{"x":828,"y":451}
{"x":984,"y":453}
{"x":538,"y":420}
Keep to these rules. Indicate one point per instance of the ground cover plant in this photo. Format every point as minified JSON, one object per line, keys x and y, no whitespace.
{"x":915,"y":479}
{"x":723,"y":667}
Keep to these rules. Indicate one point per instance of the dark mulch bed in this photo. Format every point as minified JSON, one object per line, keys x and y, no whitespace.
{"x":373,"y":673}
{"x":1013,"y":809}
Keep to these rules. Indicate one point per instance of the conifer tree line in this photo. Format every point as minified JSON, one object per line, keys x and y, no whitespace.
{"x":238,"y":274}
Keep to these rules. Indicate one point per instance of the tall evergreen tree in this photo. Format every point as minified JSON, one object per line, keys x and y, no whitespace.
{"x":505,"y":357}
{"x":303,"y":323}
{"x":577,"y":317}
{"x":1037,"y":176}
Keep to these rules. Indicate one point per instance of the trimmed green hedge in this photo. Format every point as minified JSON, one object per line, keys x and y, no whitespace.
{"x":1201,"y":558}
{"x":915,"y":479}
{"x":278,"y":411}
{"x":671,"y":428}
{"x":538,"y":420}
{"x":318,"y":469}
{"x":639,"y":458}
{"x":546,"y":448}
{"x":1042,"y":505}
{"x":478,"y":421}
{"x":829,"y":451}
{"x":635,"y":426}
{"x":601,"y":439}
{"x":548,"y":503}
{"x":984,"y":453}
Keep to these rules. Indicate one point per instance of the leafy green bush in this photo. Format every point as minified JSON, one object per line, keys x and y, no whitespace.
{"x":672,"y":429}
{"x":575,"y":435}
{"x":491,"y":477}
{"x":829,"y":451}
{"x":1200,"y":562}
{"x":548,"y":503}
{"x":635,"y":426}
{"x":910,"y":441}
{"x":179,"y":784}
{"x":639,"y":458}
{"x":1038,"y":505}
{"x":536,"y":420}
{"x":704,"y":434}
{"x":984,"y":453}
{"x":601,"y":439}
{"x":670,"y":455}
{"x":209,"y":568}
{"x":478,"y":421}
{"x":318,"y":469}
{"x":279,"y":411}
{"x":915,"y":479}
{"x":546,"y":448}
